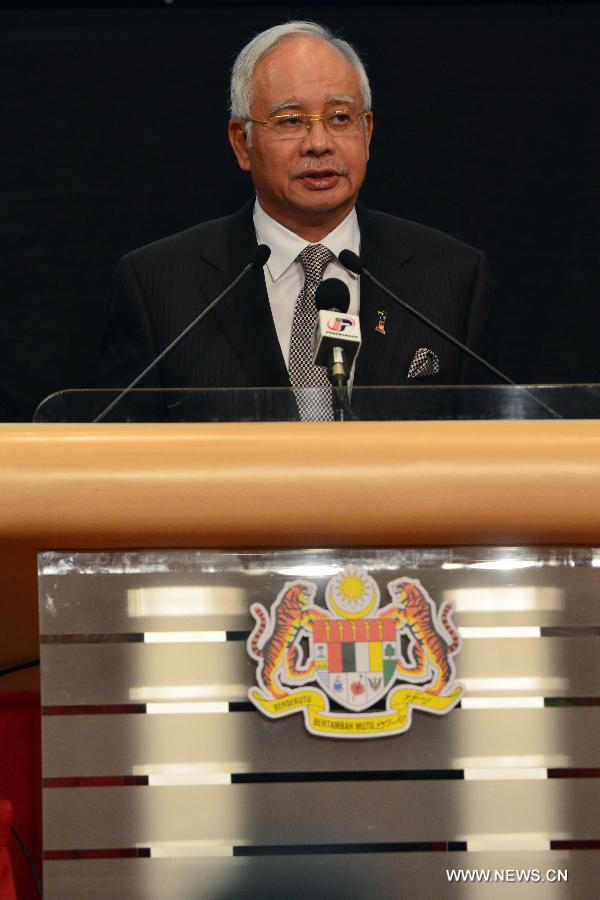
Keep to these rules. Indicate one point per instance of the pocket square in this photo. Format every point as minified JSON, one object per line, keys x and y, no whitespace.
{"x":424,"y":362}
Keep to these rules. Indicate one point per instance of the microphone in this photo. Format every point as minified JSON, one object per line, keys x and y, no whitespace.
{"x":337,"y":336}
{"x":355,"y":264}
{"x":256,"y":261}
{"x":333,"y":294}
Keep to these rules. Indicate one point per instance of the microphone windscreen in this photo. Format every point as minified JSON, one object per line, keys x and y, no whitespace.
{"x":333,"y":294}
{"x":261,"y":255}
{"x":351,"y":261}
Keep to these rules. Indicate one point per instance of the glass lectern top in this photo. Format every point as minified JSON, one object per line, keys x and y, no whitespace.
{"x":364,"y":404}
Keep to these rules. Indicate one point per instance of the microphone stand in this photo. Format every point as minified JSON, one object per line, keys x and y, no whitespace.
{"x":258,"y":260}
{"x":355,"y":264}
{"x":336,"y":369}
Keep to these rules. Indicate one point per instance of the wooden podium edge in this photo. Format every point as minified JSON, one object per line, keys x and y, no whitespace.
{"x":285,"y":485}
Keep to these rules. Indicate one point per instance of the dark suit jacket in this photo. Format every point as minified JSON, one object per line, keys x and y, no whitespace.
{"x":158,"y":289}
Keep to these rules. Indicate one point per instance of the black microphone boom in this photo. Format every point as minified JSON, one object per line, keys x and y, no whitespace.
{"x":257,"y":261}
{"x":354,"y":263}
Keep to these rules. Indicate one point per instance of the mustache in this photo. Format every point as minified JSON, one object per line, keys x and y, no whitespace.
{"x":316,"y":165}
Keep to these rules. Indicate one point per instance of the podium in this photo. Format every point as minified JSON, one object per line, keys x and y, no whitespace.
{"x":501,"y":517}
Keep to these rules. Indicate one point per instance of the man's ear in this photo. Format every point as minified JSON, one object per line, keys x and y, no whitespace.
{"x":239,"y":143}
{"x":368,"y":131}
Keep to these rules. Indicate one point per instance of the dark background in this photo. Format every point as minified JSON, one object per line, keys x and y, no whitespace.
{"x":114,"y":119}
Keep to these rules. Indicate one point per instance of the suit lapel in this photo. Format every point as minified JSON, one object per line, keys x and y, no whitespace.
{"x":245,"y":315}
{"x":379,"y":361}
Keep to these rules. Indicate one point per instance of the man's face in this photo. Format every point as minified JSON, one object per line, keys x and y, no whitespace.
{"x":310,"y":182}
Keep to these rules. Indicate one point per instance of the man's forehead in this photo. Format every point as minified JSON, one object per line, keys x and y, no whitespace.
{"x":304,"y":70}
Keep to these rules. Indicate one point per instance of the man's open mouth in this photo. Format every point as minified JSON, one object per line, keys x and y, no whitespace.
{"x":319,"y":173}
{"x":320,"y":179}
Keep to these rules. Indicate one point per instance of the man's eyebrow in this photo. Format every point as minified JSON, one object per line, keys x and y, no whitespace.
{"x":285,"y":104}
{"x":343,"y":99}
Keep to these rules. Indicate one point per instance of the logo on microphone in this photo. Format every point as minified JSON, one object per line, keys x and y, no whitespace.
{"x":340,"y":323}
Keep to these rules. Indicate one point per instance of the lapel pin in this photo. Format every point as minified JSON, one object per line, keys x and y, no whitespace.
{"x":381,"y":317}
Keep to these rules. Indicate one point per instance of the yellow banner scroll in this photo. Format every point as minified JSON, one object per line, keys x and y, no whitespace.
{"x":319,"y":720}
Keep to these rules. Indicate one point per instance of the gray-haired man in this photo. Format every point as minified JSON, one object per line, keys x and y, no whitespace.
{"x":301,"y":125}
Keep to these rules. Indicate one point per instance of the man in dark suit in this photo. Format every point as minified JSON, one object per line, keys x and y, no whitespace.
{"x":301,"y":125}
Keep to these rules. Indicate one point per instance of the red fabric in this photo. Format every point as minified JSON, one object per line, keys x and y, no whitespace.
{"x":7,"y":884}
{"x":20,"y":783}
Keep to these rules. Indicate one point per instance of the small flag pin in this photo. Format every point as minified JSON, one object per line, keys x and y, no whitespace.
{"x":381,"y":317}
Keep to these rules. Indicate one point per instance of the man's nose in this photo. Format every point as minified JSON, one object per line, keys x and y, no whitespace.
{"x":317,"y":140}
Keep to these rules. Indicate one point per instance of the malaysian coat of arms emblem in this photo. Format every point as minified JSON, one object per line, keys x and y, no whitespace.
{"x":355,"y":653}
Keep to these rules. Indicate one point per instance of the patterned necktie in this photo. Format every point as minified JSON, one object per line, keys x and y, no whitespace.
{"x":314,"y":404}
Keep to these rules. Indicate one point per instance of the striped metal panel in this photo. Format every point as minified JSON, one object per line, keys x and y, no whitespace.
{"x":162,"y":780}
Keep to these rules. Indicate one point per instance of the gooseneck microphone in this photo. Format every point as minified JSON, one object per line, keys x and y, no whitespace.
{"x":354,"y":263}
{"x":337,"y":340}
{"x":256,"y":261}
{"x":333,"y":293}
{"x":337,"y":337}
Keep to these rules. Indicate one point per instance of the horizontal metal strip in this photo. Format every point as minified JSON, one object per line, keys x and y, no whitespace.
{"x":103,"y":709}
{"x":204,"y":636}
{"x":569,"y":630}
{"x":575,"y":845}
{"x":179,"y":777}
{"x":337,"y":877}
{"x":243,"y":706}
{"x":415,"y":774}
{"x":273,"y":850}
{"x":573,"y":617}
{"x":100,"y":638}
{"x":122,"y":673}
{"x":558,"y":702}
{"x":97,"y":781}
{"x":564,"y":737}
{"x":573,"y":773}
{"x":249,"y":814}
{"x":99,"y":853}
{"x":490,"y":632}
{"x":347,"y":849}
{"x":283,"y":777}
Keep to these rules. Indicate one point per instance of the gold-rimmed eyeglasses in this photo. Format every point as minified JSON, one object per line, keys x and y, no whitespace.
{"x":294,"y":125}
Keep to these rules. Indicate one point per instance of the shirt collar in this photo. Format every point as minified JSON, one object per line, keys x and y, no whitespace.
{"x":285,"y":245}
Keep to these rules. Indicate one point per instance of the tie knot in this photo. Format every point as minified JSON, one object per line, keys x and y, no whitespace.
{"x":314,"y":259}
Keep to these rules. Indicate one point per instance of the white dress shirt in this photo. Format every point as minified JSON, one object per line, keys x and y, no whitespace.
{"x":284,"y":275}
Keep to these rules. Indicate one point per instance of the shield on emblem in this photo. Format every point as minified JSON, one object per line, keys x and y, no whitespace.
{"x":355,"y":659}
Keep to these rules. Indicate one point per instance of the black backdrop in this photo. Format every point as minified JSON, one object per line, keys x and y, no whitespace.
{"x":114,"y":119}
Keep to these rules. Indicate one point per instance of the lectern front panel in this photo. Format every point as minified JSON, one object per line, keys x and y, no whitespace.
{"x":329,"y":723}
